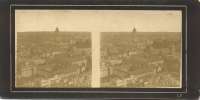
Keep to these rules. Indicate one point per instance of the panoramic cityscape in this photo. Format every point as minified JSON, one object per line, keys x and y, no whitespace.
{"x":53,"y":59}
{"x":93,"y":49}
{"x":140,"y":59}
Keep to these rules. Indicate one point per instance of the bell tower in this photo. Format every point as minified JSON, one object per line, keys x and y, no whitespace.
{"x":57,"y":29}
{"x":134,"y":30}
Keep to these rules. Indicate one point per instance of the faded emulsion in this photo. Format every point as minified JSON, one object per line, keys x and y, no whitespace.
{"x":98,"y":49}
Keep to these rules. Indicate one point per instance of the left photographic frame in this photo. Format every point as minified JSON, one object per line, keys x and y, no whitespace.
{"x":46,"y":55}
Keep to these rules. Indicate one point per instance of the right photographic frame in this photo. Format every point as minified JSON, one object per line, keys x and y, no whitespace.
{"x":142,"y":49}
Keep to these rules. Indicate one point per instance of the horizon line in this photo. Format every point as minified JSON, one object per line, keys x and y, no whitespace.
{"x":107,"y":31}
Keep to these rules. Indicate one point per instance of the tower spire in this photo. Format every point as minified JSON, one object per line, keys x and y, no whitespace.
{"x":57,"y":29}
{"x":134,"y":30}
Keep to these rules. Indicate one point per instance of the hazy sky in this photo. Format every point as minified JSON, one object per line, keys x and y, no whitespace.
{"x":98,"y":20}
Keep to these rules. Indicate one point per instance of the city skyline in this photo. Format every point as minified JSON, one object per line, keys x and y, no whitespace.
{"x":97,"y":60}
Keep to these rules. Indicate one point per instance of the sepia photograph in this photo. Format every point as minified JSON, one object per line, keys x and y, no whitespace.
{"x":98,"y":48}
{"x":48,"y":53}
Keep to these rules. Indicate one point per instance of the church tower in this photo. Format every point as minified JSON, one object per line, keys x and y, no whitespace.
{"x":134,"y":30}
{"x":57,"y":29}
